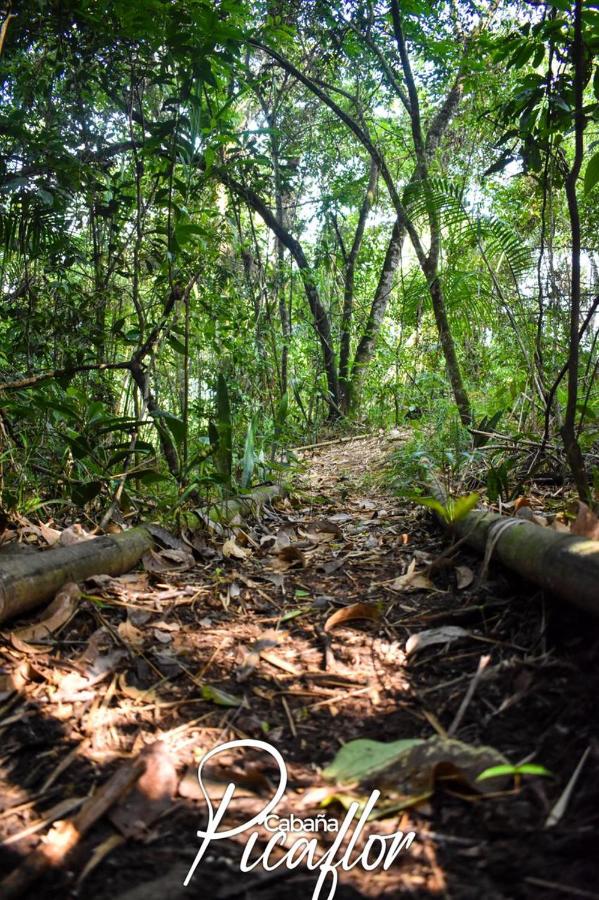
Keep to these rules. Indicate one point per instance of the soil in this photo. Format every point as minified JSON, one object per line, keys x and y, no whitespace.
{"x":239,"y":644}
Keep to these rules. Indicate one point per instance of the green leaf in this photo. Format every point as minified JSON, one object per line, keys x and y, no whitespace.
{"x":591,"y":176}
{"x":220,"y":697}
{"x":249,"y":455}
{"x":175,"y":425}
{"x":358,"y":759}
{"x":460,"y":508}
{"x":84,"y":491}
{"x":176,"y":344}
{"x":524,"y":769}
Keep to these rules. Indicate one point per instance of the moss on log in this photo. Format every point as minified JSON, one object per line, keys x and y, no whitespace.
{"x":27,"y":580}
{"x":565,"y":565}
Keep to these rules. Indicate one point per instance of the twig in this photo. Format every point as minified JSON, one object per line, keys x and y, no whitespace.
{"x":65,"y":835}
{"x":559,"y":808}
{"x":482,"y":665}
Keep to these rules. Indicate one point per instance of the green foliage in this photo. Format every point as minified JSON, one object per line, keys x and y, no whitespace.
{"x":516,"y":771}
{"x":456,"y":508}
{"x":133,"y":143}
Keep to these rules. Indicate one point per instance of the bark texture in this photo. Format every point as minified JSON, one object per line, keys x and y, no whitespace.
{"x":29,"y":580}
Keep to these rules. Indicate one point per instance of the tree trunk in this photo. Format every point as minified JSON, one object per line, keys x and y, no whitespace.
{"x":449,"y":352}
{"x":319,"y":313}
{"x":140,"y":376}
{"x":568,"y":431}
{"x":28,"y":580}
{"x":366,"y":345}
{"x":348,"y":288}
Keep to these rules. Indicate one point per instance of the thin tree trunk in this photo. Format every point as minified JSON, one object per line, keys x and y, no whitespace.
{"x":319,"y":314}
{"x":430,"y":262}
{"x":568,"y":431}
{"x":348,"y":287}
{"x":378,"y":308}
{"x":367,"y":343}
{"x":449,"y":352}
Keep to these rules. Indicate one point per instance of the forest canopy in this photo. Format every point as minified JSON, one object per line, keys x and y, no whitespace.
{"x":225,"y":226}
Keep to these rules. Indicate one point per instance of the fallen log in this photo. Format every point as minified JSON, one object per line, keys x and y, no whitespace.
{"x":27,"y":580}
{"x":244,"y":505}
{"x":563,"y":564}
{"x":340,"y":440}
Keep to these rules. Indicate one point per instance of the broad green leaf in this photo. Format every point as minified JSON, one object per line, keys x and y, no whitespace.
{"x":175,"y":425}
{"x":249,"y":455}
{"x":461,"y":506}
{"x":364,"y":757}
{"x":591,"y":176}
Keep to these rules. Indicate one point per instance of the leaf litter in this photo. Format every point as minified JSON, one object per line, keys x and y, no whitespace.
{"x":308,"y":628}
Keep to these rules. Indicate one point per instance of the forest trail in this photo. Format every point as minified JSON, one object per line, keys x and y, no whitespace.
{"x":294,"y":631}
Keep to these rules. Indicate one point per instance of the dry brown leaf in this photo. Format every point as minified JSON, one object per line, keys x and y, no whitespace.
{"x":15,"y":680}
{"x":163,"y":637}
{"x":464,"y":577}
{"x":141,"y":695}
{"x":232,"y":549}
{"x":130,"y":634}
{"x":321,"y":531}
{"x":55,"y":616}
{"x":586,"y":523}
{"x":289,"y":558}
{"x":412,"y":580}
{"x":521,"y":502}
{"x":50,"y":535}
{"x":24,"y":647}
{"x":443,"y":635}
{"x":74,"y":535}
{"x":351,"y":613}
{"x":159,"y":561}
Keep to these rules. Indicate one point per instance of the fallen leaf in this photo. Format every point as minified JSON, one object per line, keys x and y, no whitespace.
{"x":406,"y":771}
{"x":14,"y":680}
{"x":289,"y":558}
{"x":130,"y":634}
{"x":360,"y":758}
{"x":50,"y":535}
{"x":74,"y":535}
{"x":159,"y":561}
{"x":351,"y":613}
{"x":232,"y":549}
{"x":586,"y":523}
{"x":464,"y":577}
{"x":165,"y":537}
{"x":412,"y":580}
{"x":55,"y":616}
{"x":521,"y":502}
{"x":444,"y":635}
{"x":220,"y":697}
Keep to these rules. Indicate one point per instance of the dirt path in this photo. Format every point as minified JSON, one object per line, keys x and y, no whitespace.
{"x":241,"y":644}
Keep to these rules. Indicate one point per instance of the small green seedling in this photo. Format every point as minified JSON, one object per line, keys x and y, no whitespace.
{"x":457,"y":508}
{"x":516,"y":771}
